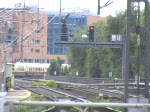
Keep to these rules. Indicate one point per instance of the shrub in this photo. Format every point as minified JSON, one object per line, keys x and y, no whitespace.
{"x":33,"y":83}
{"x":74,"y":110}
{"x":51,"y":83}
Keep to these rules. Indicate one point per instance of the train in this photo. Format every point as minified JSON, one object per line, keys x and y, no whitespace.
{"x":25,"y":70}
{"x":32,"y":68}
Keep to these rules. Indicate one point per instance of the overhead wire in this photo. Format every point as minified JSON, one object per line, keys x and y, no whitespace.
{"x":33,"y":31}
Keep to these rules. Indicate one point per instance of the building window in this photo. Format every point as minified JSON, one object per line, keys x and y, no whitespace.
{"x":35,"y":41}
{"x":63,"y":61}
{"x":10,"y":54}
{"x":17,"y":60}
{"x":37,"y":51}
{"x":9,"y":37}
{"x":26,"y":60}
{"x":30,"y":60}
{"x":32,"y":41}
{"x":37,"y":60}
{"x":32,"y":50}
{"x":43,"y":60}
{"x":48,"y":61}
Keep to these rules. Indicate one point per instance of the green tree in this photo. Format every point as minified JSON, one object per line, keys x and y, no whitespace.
{"x":77,"y":60}
{"x":65,"y":71}
{"x":87,"y":61}
{"x":98,"y":62}
{"x":55,"y":67}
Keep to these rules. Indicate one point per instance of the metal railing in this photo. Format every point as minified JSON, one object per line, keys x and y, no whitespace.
{"x":139,"y":106}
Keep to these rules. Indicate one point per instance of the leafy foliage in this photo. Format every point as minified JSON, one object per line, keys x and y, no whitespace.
{"x":34,"y":83}
{"x":56,"y":69}
{"x":55,"y":66}
{"x":74,"y":110}
{"x":97,"y":62}
{"x":51,"y":83}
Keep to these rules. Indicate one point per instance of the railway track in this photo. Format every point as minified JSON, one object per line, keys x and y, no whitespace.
{"x":59,"y":96}
{"x":45,"y":91}
{"x":83,"y":91}
{"x":96,"y":91}
{"x":88,"y":90}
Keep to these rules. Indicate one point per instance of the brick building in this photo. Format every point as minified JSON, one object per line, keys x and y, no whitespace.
{"x":31,"y":39}
{"x":92,"y":19}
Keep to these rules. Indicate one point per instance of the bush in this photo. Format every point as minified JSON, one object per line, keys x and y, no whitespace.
{"x":51,"y":83}
{"x":42,"y":83}
{"x":74,"y":110}
{"x":34,"y":83}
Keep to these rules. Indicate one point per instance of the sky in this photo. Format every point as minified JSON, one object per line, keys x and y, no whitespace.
{"x":68,"y":5}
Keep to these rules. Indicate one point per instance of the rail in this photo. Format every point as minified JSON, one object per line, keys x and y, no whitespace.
{"x":83,"y":80}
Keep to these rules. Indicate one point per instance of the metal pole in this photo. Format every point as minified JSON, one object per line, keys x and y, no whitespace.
{"x":127,"y":50}
{"x":38,"y":18}
{"x":22,"y":36}
{"x":147,"y":24}
{"x":60,"y":12}
{"x":138,"y":50}
{"x":82,"y":104}
{"x":98,"y":10}
{"x":4,"y":73}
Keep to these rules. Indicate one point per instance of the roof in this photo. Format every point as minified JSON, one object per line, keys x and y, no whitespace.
{"x":32,"y":64}
{"x":65,"y":65}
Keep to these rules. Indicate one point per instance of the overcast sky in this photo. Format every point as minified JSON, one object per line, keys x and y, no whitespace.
{"x":54,"y":5}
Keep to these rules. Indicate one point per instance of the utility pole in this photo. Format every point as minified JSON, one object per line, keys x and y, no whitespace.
{"x":60,"y":12}
{"x":38,"y":21}
{"x":22,"y":34}
{"x":105,"y":5}
{"x":98,"y":11}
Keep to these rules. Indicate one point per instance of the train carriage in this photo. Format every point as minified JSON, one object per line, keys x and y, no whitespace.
{"x":30,"y":68}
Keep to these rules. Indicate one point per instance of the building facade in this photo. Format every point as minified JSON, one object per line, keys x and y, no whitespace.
{"x":30,"y":41}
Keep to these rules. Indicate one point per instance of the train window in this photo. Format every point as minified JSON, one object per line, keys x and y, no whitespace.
{"x":40,"y":69}
{"x":20,"y":68}
{"x":30,"y":69}
{"x":45,"y":69}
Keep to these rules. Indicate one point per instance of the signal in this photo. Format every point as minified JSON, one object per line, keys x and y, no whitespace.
{"x":64,"y":31}
{"x":91,"y":33}
{"x":13,"y":70}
